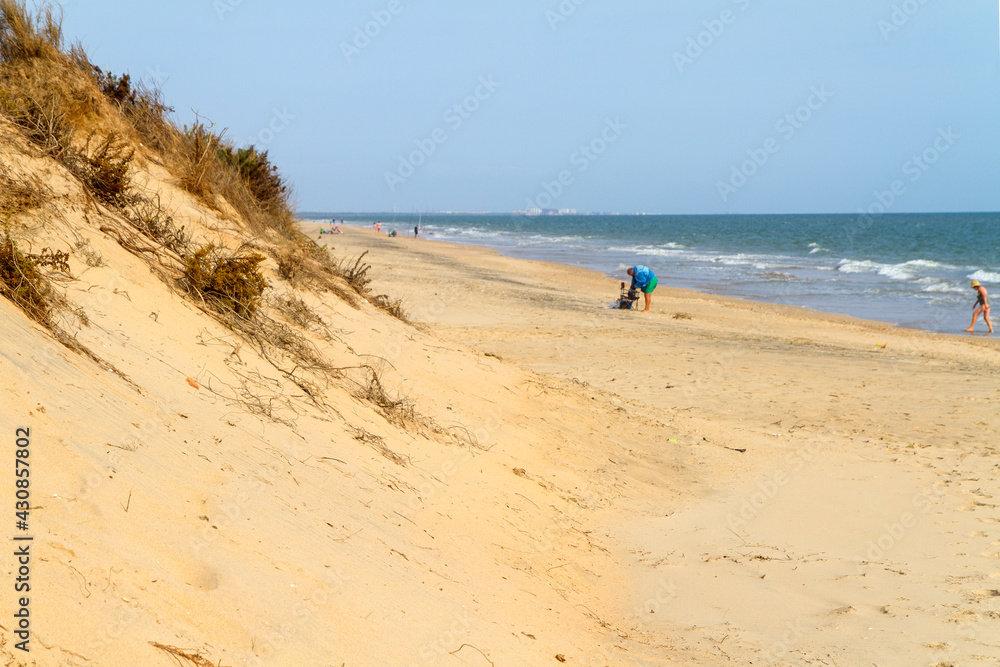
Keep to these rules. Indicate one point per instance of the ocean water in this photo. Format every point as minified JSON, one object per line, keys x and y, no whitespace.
{"x":912,"y":270}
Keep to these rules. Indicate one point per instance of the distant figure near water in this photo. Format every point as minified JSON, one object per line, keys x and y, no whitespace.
{"x":416,"y":231}
{"x":982,"y":306}
{"x":644,"y":279}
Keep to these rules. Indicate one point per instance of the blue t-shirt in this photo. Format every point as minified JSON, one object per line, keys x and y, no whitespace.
{"x":641,"y":276}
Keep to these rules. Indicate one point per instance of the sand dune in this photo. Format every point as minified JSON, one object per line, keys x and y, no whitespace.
{"x":190,"y":491}
{"x":543,"y":480}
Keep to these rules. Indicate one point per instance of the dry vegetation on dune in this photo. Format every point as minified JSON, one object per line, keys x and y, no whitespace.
{"x":104,"y":130}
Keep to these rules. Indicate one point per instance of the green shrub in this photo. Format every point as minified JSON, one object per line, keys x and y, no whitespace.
{"x":260,"y":176}
{"x":118,"y":89}
{"x":229,"y":281}
{"x":21,"y":282}
{"x":106,"y":172}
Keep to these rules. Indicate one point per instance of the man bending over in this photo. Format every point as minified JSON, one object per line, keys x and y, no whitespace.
{"x":644,"y":279}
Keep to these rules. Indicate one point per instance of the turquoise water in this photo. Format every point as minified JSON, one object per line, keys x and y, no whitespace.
{"x":907,"y":269}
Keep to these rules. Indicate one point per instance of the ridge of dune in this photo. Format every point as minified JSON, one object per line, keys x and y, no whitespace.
{"x":186,"y":493}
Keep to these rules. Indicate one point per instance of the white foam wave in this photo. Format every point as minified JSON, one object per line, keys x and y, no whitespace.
{"x":858,"y":266}
{"x":927,"y":264}
{"x":664,"y":250}
{"x":910,"y":270}
{"x":867,"y":266}
{"x":985,"y":276}
{"x":759,"y":262}
{"x":936,"y":286}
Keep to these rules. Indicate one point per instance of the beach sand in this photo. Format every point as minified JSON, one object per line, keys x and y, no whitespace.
{"x":542,"y":480}
{"x":815,"y":489}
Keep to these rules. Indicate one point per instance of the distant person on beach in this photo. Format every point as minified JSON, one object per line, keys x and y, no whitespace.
{"x":416,"y":231}
{"x":982,"y":306}
{"x":336,"y":230}
{"x":643,"y":278}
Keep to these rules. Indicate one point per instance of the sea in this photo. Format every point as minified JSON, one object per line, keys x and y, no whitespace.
{"x":910,"y":270}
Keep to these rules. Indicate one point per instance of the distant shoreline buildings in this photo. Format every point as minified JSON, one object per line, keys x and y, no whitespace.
{"x":548,"y":211}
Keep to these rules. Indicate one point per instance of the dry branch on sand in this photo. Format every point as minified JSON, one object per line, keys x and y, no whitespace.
{"x":398,"y":411}
{"x":309,"y":266}
{"x":356,"y":275}
{"x":53,"y":259}
{"x":20,"y":193}
{"x":149,"y":217}
{"x":182,"y":654}
{"x":299,"y":313}
{"x":378,"y":444}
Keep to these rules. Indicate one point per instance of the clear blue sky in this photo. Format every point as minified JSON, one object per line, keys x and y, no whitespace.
{"x":671,"y":98}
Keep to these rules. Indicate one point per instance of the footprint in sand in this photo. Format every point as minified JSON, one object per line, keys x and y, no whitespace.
{"x":964,"y":616}
{"x":205,"y":579}
{"x":841,"y":611}
{"x":980,"y":595}
{"x":896,"y":611}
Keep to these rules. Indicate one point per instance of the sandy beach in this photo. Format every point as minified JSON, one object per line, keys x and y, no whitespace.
{"x":544,"y":480}
{"x":814,"y":489}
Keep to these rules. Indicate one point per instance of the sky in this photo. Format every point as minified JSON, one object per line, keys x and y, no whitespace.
{"x":633,"y":106}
